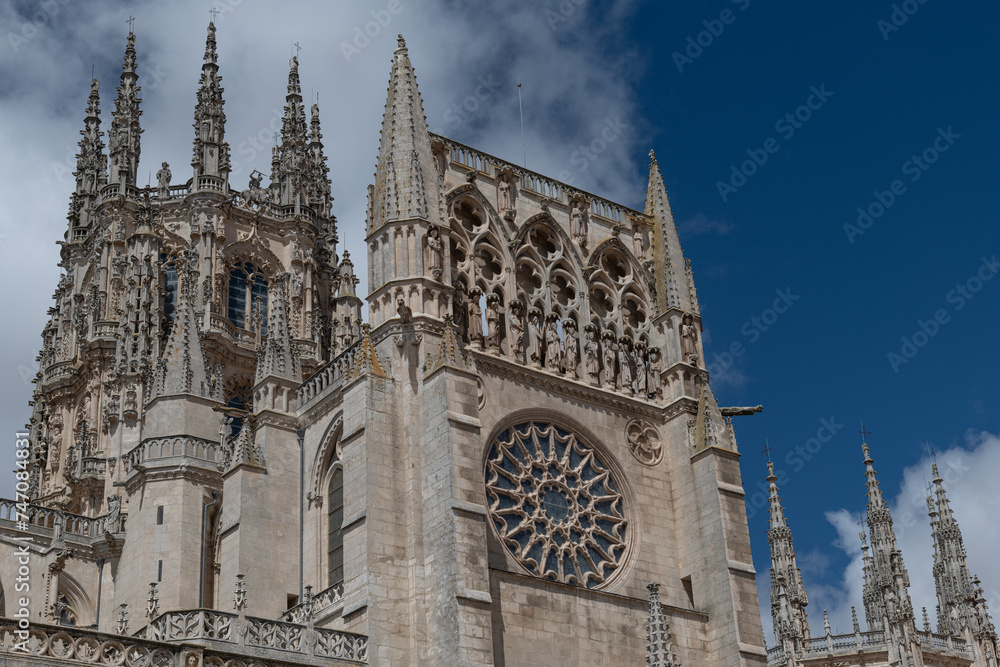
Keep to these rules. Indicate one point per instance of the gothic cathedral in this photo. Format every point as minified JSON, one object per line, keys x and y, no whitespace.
{"x":514,"y":458}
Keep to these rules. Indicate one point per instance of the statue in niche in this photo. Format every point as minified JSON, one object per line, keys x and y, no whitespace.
{"x":459,"y":314}
{"x":493,"y":322}
{"x":578,"y":222}
{"x":641,"y":379}
{"x":475,"y":317}
{"x":639,"y":243}
{"x":505,"y":200}
{"x":610,"y":356}
{"x":535,"y":337}
{"x":435,"y":252}
{"x":553,"y":345}
{"x":625,"y":364}
{"x":571,"y":352}
{"x":654,"y":386}
{"x":592,"y":354}
{"x":689,"y":339}
{"x":163,"y":181}
{"x":516,"y":328}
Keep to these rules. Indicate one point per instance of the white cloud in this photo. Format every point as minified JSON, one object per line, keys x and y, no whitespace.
{"x":577,"y":73}
{"x":969,"y":473}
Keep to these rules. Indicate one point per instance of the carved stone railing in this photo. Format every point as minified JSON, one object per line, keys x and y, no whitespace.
{"x":93,"y":466}
{"x":868,"y":642}
{"x":542,"y":185}
{"x":45,"y":517}
{"x":172,"y":447}
{"x":105,"y":329}
{"x":60,"y":369}
{"x":220,"y":628}
{"x":322,"y":602}
{"x":48,"y":644}
{"x":329,"y":375}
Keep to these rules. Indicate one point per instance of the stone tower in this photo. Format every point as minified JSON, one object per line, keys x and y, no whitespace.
{"x":517,"y":459}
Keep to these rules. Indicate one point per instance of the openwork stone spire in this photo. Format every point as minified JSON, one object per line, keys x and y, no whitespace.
{"x":276,"y":357}
{"x":660,"y":649}
{"x":211,"y":152}
{"x":788,"y":594}
{"x":674,"y":289}
{"x":125,"y":131}
{"x":183,"y":360}
{"x":320,"y":187}
{"x":91,"y":165}
{"x":406,"y":184}
{"x":290,"y":167}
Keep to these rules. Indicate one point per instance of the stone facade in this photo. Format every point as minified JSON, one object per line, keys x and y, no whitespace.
{"x":491,"y":471}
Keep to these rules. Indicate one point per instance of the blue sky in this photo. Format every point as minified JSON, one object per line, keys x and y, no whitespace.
{"x":868,"y":98}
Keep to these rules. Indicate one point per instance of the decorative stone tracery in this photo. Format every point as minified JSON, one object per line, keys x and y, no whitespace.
{"x":555,"y":505}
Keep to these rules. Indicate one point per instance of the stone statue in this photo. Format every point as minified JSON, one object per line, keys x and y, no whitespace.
{"x":689,"y":339}
{"x":111,"y":525}
{"x":553,"y":345}
{"x":571,"y":352}
{"x":493,"y":322}
{"x":625,"y":364}
{"x":516,"y":328}
{"x":592,"y":352}
{"x":435,"y":252}
{"x":534,"y":337}
{"x":639,"y":355}
{"x":163,"y":181}
{"x":608,"y":341}
{"x":459,"y":314}
{"x":578,"y":222}
{"x":405,"y":312}
{"x":639,"y":244}
{"x":654,"y":386}
{"x":475,"y":317}
{"x":506,"y":198}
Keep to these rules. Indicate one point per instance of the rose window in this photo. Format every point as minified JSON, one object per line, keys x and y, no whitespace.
{"x":555,"y":505}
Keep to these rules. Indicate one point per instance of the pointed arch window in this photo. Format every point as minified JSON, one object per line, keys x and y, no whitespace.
{"x":335,"y":523}
{"x":247,"y":296}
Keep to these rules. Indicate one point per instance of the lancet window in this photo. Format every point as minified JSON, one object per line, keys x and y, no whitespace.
{"x":248,"y":297}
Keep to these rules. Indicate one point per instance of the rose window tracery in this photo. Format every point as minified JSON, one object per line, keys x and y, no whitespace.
{"x":555,"y":505}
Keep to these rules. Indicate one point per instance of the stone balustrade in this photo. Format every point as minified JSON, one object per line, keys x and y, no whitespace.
{"x":864,"y":642}
{"x":323,"y":602}
{"x":45,"y":518}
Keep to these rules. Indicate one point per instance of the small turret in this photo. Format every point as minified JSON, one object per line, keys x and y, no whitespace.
{"x":124,"y":137}
{"x":91,"y":166}
{"x":211,"y":152}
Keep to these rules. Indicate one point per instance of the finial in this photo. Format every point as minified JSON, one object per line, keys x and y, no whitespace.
{"x":240,"y":600}
{"x":400,"y":43}
{"x":927,"y":621}
{"x":854,"y":620}
{"x":152,"y":602}
{"x":863,"y":432}
{"x":767,"y":450}
{"x":213,"y":12}
{"x":652,"y":155}
{"x":297,"y":49}
{"x":131,"y":23}
{"x":123,"y":619}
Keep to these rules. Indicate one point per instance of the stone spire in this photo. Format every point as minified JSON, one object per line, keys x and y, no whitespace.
{"x":874,"y":609}
{"x":289,"y":173}
{"x":211,"y":152}
{"x":955,"y":590}
{"x":275,"y":355}
{"x":91,"y":165}
{"x":659,"y":647}
{"x":183,"y":359}
{"x":125,"y":131}
{"x":406,"y":183}
{"x":890,"y":580}
{"x":320,"y":187}
{"x":788,"y":606}
{"x":674,"y":289}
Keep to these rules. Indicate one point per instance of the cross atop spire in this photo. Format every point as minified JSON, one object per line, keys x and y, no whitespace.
{"x":863,"y":432}
{"x":131,"y":23}
{"x":213,"y":12}
{"x":767,"y":445}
